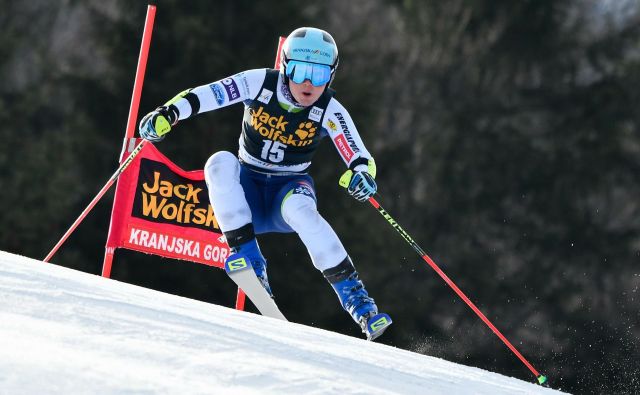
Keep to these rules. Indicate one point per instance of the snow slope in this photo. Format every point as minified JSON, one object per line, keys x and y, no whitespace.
{"x":67,"y":332}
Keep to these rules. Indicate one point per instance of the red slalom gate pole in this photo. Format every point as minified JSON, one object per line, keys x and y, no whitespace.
{"x":133,"y":114}
{"x":140,"y":71}
{"x":540,"y":378}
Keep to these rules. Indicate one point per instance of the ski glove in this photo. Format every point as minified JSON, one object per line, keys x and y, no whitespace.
{"x":359,"y":184}
{"x":155,"y":125}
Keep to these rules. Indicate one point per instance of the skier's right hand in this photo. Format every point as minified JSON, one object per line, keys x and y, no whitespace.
{"x":155,"y":125}
{"x":360,"y":182}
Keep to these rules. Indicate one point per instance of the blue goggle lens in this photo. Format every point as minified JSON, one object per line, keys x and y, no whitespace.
{"x":298,"y":72}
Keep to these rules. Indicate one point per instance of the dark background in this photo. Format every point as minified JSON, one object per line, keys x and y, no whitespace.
{"x":505,"y":133}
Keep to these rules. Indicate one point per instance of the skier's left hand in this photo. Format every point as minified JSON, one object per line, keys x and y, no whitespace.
{"x":359,"y":184}
{"x":155,"y":125}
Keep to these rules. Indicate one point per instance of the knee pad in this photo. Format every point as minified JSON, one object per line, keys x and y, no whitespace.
{"x":222,"y":171}
{"x":301,"y":213}
{"x":323,"y":245}
{"x":222,"y":174}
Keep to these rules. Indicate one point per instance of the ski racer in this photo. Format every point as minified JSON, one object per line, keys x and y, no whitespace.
{"x":266,"y":187}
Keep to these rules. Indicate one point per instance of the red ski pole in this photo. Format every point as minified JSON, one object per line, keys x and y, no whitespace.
{"x":96,"y":199}
{"x":540,"y":378}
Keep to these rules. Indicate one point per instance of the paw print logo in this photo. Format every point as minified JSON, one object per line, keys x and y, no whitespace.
{"x":306,"y":130}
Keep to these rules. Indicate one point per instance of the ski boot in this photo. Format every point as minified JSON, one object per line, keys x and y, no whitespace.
{"x":374,"y":324}
{"x":251,"y":252}
{"x":355,"y":299}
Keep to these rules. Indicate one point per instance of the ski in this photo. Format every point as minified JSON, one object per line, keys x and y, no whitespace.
{"x":241,"y":272}
{"x":376,"y":325}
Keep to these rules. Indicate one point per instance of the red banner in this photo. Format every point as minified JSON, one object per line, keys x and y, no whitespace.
{"x":161,"y":209}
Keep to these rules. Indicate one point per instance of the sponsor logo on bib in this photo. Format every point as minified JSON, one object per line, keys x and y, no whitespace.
{"x":265,"y":96}
{"x":316,"y":114}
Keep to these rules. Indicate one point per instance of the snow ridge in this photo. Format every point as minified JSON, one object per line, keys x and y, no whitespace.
{"x":65,"y":331}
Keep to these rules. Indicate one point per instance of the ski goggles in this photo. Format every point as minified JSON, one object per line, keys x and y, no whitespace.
{"x":298,"y":72}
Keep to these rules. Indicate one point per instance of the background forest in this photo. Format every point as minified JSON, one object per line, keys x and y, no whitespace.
{"x":506,"y":135}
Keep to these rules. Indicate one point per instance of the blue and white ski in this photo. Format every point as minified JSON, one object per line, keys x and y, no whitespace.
{"x":241,"y":272}
{"x":376,"y":325}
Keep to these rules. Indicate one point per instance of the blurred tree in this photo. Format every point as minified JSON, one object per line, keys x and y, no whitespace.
{"x":511,"y":124}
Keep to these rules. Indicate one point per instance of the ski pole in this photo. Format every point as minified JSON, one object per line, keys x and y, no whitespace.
{"x":95,"y":200}
{"x":540,"y":378}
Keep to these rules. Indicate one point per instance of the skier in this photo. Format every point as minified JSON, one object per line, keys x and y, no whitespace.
{"x":266,"y":188}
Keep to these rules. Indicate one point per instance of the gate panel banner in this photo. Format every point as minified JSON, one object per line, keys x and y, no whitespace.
{"x":161,"y":209}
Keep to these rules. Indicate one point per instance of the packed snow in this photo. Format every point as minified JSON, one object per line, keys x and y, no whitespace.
{"x":67,"y":332}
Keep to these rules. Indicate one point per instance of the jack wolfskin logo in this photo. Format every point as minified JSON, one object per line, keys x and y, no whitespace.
{"x":379,"y":323}
{"x":266,"y":124}
{"x":237,"y":264}
{"x":306,"y":130}
{"x":276,"y":128}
